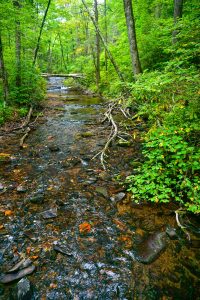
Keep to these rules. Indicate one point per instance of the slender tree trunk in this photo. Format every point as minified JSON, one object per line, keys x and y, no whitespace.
{"x":130,"y":22}
{"x":97,"y":45}
{"x":50,"y":56}
{"x":62,"y":52}
{"x":106,"y":33}
{"x":104,"y":43}
{"x":178,"y":11}
{"x":3,"y":73}
{"x":17,"y":5}
{"x":40,"y":33}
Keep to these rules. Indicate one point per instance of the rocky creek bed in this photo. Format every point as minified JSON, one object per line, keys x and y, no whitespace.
{"x":68,"y":228}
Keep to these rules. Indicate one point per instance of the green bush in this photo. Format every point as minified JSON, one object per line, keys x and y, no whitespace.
{"x":170,"y":171}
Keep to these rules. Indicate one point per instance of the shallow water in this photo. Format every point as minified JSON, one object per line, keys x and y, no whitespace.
{"x":101,"y":261}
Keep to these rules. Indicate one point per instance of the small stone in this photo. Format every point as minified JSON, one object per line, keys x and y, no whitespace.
{"x":24,"y":289}
{"x":102,"y":191}
{"x":120,"y":196}
{"x":29,"y":234}
{"x":21,"y":189}
{"x":53,"y":148}
{"x":51,"y":213}
{"x":123,"y":143}
{"x":37,"y":199}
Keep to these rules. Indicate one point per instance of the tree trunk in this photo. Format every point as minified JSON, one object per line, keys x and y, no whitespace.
{"x":62,"y":52}
{"x":4,"y":74}
{"x":104,"y":43}
{"x":106,"y":33}
{"x":40,"y":33}
{"x":97,"y":45}
{"x":130,"y":22}
{"x":178,"y":11}
{"x":17,"y":5}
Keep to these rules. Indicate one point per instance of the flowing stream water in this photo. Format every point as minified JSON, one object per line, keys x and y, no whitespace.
{"x":72,"y":219}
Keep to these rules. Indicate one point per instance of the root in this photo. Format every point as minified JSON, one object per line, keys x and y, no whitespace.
{"x":113,"y":132}
{"x":21,"y":143}
{"x":183,"y":228}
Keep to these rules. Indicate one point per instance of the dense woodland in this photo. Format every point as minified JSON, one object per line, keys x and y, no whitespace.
{"x":145,"y":54}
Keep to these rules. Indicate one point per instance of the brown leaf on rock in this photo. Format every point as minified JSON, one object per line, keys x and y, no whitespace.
{"x":84,"y":228}
{"x":8,"y":212}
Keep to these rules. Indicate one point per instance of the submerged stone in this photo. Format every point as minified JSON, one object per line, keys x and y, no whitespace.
{"x":53,"y":148}
{"x":24,"y":290}
{"x":102,"y":191}
{"x":37,"y":199}
{"x":51,"y":213}
{"x":150,"y":249}
{"x":21,"y":189}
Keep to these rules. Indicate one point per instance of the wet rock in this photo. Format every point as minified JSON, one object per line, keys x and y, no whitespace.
{"x":123,"y":143}
{"x":53,"y":295}
{"x":102,"y":191}
{"x":171,"y":232}
{"x":71,"y":162}
{"x":53,"y":148}
{"x":195,"y":244}
{"x":24,"y":290}
{"x":118,"y":197}
{"x":150,"y":249}
{"x":62,"y":249}
{"x":104,"y":176}
{"x":29,"y":234}
{"x":21,"y":189}
{"x":51,"y":213}
{"x":24,"y":263}
{"x":6,"y":278}
{"x":91,"y":180}
{"x":37,"y":199}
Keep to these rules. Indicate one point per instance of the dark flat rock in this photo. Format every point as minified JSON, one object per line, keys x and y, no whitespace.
{"x":6,"y":278}
{"x":150,"y":248}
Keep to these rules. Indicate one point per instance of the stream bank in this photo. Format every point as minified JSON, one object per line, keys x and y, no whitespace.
{"x":76,"y":223}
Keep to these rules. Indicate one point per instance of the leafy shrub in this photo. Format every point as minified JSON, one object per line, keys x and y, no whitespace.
{"x":170,"y":171}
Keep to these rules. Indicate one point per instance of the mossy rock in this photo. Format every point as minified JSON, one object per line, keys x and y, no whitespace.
{"x":86,"y":134}
{"x":123,"y":143}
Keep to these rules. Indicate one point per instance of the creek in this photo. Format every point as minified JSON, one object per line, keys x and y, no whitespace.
{"x":75,"y":221}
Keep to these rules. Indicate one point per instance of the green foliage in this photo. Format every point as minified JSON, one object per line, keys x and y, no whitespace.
{"x":6,"y":113}
{"x":170,"y":171}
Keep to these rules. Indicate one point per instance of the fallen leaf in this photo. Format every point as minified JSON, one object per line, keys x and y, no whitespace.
{"x":1,"y":227}
{"x":28,"y":250}
{"x":53,"y":285}
{"x":85,"y":227}
{"x":34,"y":257}
{"x":8,"y":212}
